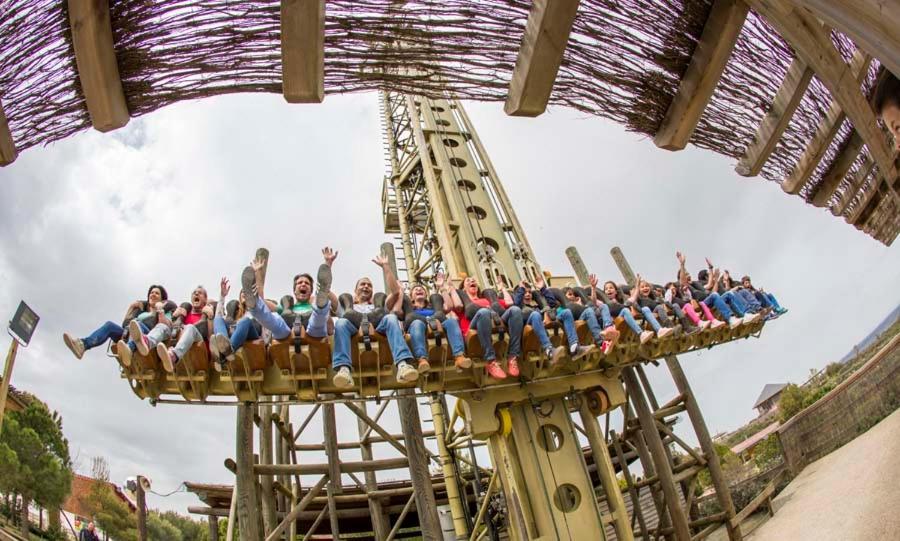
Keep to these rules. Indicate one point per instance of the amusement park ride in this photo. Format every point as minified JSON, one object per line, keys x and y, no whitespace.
{"x":445,"y":203}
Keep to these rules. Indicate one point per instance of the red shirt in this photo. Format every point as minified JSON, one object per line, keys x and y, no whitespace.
{"x":192,"y":318}
{"x":483,"y":303}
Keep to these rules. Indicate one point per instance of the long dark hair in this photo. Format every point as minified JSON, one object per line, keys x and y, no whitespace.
{"x":616,"y":295}
{"x":162,"y":292}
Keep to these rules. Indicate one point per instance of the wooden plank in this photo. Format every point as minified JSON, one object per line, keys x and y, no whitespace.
{"x":777,"y":119}
{"x":303,"y":50}
{"x":699,"y":81}
{"x":540,"y":55}
{"x":822,"y":192}
{"x":761,"y":498}
{"x":828,"y":128}
{"x":858,"y":179}
{"x":416,"y":453}
{"x":380,"y":523}
{"x":8,"y":152}
{"x":813,"y":44}
{"x":871,"y":24}
{"x":245,"y":487}
{"x":95,"y":57}
{"x":266,"y":453}
{"x":320,"y":469}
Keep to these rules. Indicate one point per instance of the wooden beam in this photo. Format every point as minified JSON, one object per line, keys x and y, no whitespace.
{"x":8,"y":152}
{"x":828,"y":128}
{"x":822,"y":192}
{"x":303,"y":50}
{"x":324,"y":469}
{"x":541,"y":53}
{"x":95,"y":57}
{"x":871,"y":24}
{"x":858,"y":180}
{"x":245,"y":487}
{"x":813,"y":44}
{"x":699,"y":81}
{"x":776,"y":120}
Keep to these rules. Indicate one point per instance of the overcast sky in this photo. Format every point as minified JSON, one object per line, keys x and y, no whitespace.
{"x":186,"y":194}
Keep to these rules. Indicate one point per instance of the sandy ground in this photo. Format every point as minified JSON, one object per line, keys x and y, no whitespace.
{"x":852,"y":494}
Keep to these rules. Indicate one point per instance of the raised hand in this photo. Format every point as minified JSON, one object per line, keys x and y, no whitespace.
{"x":257,"y":264}
{"x":158,"y":306}
{"x":539,"y":282}
{"x":380,"y":260}
{"x":592,"y":278}
{"x":179,"y":312}
{"x":208,"y":311}
{"x":709,"y":263}
{"x":680,"y":257}
{"x":329,"y":255}
{"x":439,"y":280}
{"x":224,"y":288}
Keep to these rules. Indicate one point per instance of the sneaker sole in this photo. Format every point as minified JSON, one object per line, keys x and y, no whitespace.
{"x":163,"y":352}
{"x":223,"y":344}
{"x":341,"y":382}
{"x":409,"y":377}
{"x":323,"y":285}
{"x":248,"y":284}
{"x":423,"y":368}
{"x":557,"y":355}
{"x":124,"y":353}
{"x":583,"y":352}
{"x":465,"y":363}
{"x":135,"y":334}
{"x":70,"y":343}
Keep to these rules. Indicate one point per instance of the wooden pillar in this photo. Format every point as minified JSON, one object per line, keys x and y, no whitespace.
{"x":303,"y":50}
{"x":723,"y":495}
{"x":581,"y":271}
{"x":247,"y":502}
{"x":426,"y":507}
{"x":141,"y":498}
{"x":334,"y":466}
{"x":265,"y":457}
{"x":213,"y":528}
{"x":8,"y":152}
{"x":7,"y":375}
{"x":380,"y":524}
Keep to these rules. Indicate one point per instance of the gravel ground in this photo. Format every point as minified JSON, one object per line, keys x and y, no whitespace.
{"x":852,"y":494}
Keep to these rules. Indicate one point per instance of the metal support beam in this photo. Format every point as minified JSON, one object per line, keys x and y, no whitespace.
{"x":699,"y":81}
{"x":303,"y":50}
{"x":540,"y":55}
{"x":95,"y":57}
{"x":788,"y":97}
{"x":8,"y":152}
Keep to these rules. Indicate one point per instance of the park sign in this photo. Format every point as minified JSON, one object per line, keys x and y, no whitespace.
{"x":24,"y":322}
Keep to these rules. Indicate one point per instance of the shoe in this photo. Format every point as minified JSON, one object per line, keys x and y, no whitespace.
{"x":554,"y":354}
{"x":704,"y":325}
{"x":581,"y":351}
{"x":406,"y":373}
{"x":692,"y":330}
{"x":735,"y":322}
{"x":424,"y":366}
{"x":323,"y":285}
{"x":494,"y":370}
{"x":512,"y":366}
{"x":248,"y":286}
{"x":781,"y":311}
{"x":343,"y":378}
{"x":75,"y":345}
{"x":124,"y":352}
{"x":143,"y":345}
{"x":167,"y":356}
{"x":222,"y":345}
{"x":646,"y":336}
{"x":715,"y":324}
{"x":606,"y":346}
{"x":136,"y":334}
{"x":751,"y":318}
{"x":664,"y":332}
{"x":462,"y":362}
{"x":612,"y":335}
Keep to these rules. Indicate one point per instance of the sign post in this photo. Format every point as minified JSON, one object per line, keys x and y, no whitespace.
{"x":21,"y":327}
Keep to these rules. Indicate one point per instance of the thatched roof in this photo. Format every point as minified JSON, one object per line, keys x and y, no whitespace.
{"x":623,"y":61}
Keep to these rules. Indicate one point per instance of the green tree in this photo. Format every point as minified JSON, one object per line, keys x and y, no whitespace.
{"x":160,"y":529}
{"x":767,"y":453}
{"x":791,"y":401}
{"x":34,"y":458}
{"x":110,"y":513}
{"x":191,"y":530}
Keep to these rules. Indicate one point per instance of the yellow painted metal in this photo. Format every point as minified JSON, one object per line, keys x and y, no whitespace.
{"x":505,"y":421}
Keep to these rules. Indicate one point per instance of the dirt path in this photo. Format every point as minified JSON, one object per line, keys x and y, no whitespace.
{"x":851,"y":494}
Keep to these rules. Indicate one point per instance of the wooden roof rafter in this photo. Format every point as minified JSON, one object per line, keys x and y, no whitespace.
{"x":856,"y":183}
{"x":8,"y":152}
{"x":822,"y":193}
{"x":303,"y":50}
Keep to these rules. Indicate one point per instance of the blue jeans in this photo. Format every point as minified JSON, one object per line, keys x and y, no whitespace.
{"x":772,"y":300}
{"x":737,"y":304}
{"x":107,"y":331}
{"x":389,"y":326}
{"x":714,"y":300}
{"x":650,"y":318}
{"x":567,"y":319}
{"x":418,"y":337}
{"x":317,"y":326}
{"x":605,"y":316}
{"x":243,"y":331}
{"x":145,"y":330}
{"x":482,"y":322}
{"x":753,"y":305}
{"x":536,"y":320}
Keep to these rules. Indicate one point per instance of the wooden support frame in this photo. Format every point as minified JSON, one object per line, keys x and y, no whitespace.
{"x":8,"y":152}
{"x":822,"y":192}
{"x":245,"y":487}
{"x":303,"y":50}
{"x":827,"y":130}
{"x":777,"y":119}
{"x":813,"y":44}
{"x":540,"y":55}
{"x":417,"y":455}
{"x":703,"y":73}
{"x":856,"y":184}
{"x":95,"y":57}
{"x":379,"y":520}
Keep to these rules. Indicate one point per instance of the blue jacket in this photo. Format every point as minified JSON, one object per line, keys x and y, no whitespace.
{"x":519,"y":297}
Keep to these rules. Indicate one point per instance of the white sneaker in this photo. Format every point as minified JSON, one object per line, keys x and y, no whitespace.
{"x":124,"y":352}
{"x":716,"y":324}
{"x":75,"y":345}
{"x":406,"y":373}
{"x":646,"y":336}
{"x":735,"y":322}
{"x":664,"y":332}
{"x":343,"y":378}
{"x":751,"y":318}
{"x":704,"y":325}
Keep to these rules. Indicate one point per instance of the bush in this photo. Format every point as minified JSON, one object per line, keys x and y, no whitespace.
{"x":791,"y":402}
{"x":767,"y":453}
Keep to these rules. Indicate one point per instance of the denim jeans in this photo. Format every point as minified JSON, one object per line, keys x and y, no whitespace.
{"x":512,"y":317}
{"x":605,"y":316}
{"x":482,"y":323}
{"x":389,"y":326}
{"x":189,"y":336}
{"x":567,"y":320}
{"x":629,"y":320}
{"x":317,"y":326}
{"x":536,"y":320}
{"x":418,"y":337}
{"x":737,"y":304}
{"x":650,"y":318}
{"x":145,"y":331}
{"x":772,"y":300}
{"x":716,"y":301}
{"x":244,"y":330}
{"x":515,"y":324}
{"x":753,"y":305}
{"x":160,"y":333}
{"x":107,"y":331}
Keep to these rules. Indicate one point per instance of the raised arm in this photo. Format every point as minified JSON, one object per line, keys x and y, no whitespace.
{"x":635,"y":290}
{"x":592,"y":278}
{"x":224,"y":288}
{"x":507,"y":298}
{"x":682,"y":271}
{"x":395,"y":290}
{"x":442,"y":285}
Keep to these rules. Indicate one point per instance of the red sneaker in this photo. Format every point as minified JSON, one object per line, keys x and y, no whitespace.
{"x":494,"y":370}
{"x":512,"y":366}
{"x":606,"y":346}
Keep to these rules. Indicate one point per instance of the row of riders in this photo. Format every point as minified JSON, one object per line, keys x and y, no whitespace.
{"x":686,"y":305}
